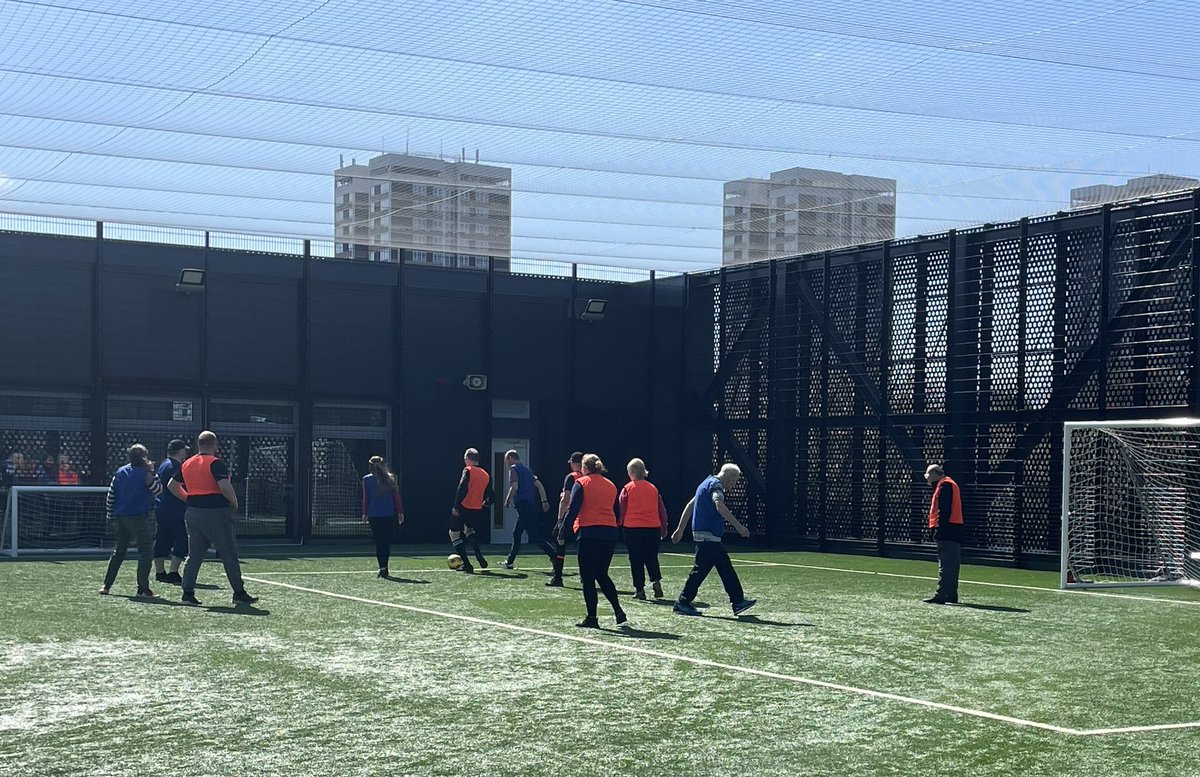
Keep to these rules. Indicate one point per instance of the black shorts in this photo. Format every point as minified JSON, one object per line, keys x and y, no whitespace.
{"x":467,"y":519}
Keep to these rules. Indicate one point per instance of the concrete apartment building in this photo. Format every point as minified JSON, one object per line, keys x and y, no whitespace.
{"x":449,"y":213}
{"x":801,"y":211}
{"x":1159,"y":183}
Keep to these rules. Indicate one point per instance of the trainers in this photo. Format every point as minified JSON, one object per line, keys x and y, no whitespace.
{"x":162,"y":577}
{"x":482,"y":562}
{"x":554,"y":582}
{"x":383,"y":572}
{"x":744,"y":605}
{"x":174,"y":578}
{"x":507,"y":565}
{"x":241,"y":597}
{"x":466,"y":568}
{"x":684,"y":608}
{"x":189,"y":599}
{"x":622,"y":618}
{"x":589,"y":623}
{"x":658,"y":592}
{"x":940,"y":600}
{"x":144,"y":593}
{"x":104,"y":591}
{"x":640,"y":594}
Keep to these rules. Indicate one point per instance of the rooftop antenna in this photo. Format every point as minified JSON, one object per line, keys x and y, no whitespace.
{"x":341,"y":160}
{"x":406,"y":134}
{"x":476,"y":156}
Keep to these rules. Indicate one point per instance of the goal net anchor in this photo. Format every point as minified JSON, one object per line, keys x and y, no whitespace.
{"x":1131,"y":503}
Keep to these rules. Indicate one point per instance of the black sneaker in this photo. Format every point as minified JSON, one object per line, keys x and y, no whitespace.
{"x":684,"y":608}
{"x":241,"y":597}
{"x":658,"y":591}
{"x":744,"y":605}
{"x":174,"y":578}
{"x":640,"y":595}
{"x":162,"y":577}
{"x":589,"y":623}
{"x":144,"y":593}
{"x":189,"y":599}
{"x":482,"y":562}
{"x":554,"y":582}
{"x":940,"y":600}
{"x":383,"y":572}
{"x":466,"y":568}
{"x":621,"y":617}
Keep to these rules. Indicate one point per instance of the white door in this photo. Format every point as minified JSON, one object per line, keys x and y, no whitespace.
{"x":504,"y":519}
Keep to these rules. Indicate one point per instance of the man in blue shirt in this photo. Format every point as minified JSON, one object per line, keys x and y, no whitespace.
{"x":171,"y":538}
{"x":525,"y":492}
{"x":708,"y":514}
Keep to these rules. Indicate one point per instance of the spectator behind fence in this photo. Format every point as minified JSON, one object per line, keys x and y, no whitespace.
{"x":66,"y":474}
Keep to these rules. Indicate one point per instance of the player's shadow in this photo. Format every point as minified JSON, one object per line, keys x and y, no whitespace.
{"x":757,"y":621}
{"x":394,"y":579}
{"x":243,"y":609}
{"x":632,"y":633}
{"x":501,"y":575}
{"x":156,"y":600}
{"x":989,"y":607}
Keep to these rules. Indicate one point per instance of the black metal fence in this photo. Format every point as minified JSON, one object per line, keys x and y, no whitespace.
{"x":833,"y":379}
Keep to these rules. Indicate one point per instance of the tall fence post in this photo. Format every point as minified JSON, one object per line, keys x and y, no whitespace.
{"x":302,"y":496}
{"x":1194,"y":388}
{"x":885,"y":346}
{"x":99,"y":419}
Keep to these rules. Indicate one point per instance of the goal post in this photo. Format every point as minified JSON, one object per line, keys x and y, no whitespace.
{"x":55,"y":519}
{"x":1130,"y":503}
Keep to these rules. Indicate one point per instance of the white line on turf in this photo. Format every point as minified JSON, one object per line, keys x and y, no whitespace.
{"x":735,"y":668}
{"x":1044,"y":589}
{"x":402,"y":571}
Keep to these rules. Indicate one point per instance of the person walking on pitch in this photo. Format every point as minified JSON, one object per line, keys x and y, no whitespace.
{"x":708,"y":514}
{"x":594,"y":520}
{"x":212,"y":505}
{"x":643,"y":518}
{"x":130,"y":499}
{"x":525,"y":493}
{"x":382,"y":509}
{"x":171,"y":538}
{"x":575,"y":462}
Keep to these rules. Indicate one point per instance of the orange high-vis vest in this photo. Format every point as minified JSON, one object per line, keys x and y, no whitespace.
{"x":599,"y":494}
{"x":476,"y":487}
{"x":956,"y":513}
{"x":641,"y":506}
{"x":198,"y":477}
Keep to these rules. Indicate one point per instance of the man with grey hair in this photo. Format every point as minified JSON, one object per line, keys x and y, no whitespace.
{"x":708,"y":515}
{"x":946,"y":521}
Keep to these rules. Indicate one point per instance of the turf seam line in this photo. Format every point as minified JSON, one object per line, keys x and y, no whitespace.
{"x":966,"y":711}
{"x":961,"y":582}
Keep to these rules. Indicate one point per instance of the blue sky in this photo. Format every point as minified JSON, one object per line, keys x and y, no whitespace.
{"x":620,"y":118}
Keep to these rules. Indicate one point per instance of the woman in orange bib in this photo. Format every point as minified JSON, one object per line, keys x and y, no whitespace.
{"x":593,"y":515}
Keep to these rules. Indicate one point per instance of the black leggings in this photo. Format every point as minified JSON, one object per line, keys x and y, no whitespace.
{"x":595,"y":556}
{"x":642,"y":545}
{"x":384,"y":530}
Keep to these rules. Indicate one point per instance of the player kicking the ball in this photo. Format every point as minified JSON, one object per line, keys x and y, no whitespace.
{"x":471,"y":499}
{"x":708,"y":515}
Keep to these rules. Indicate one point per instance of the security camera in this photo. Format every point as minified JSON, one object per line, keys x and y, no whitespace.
{"x":476,"y":382}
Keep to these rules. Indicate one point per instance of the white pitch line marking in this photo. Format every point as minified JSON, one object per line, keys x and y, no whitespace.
{"x":570,"y":571}
{"x":966,"y":711}
{"x":968,"y":582}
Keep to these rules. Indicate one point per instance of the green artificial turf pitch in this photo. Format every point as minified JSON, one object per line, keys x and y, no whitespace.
{"x":438,"y":672}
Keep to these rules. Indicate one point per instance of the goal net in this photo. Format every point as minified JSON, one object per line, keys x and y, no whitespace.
{"x":55,"y":518}
{"x":1131,"y":503}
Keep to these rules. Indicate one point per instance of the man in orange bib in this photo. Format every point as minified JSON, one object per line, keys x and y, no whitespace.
{"x":203,"y":483}
{"x":946,"y":521}
{"x":474,"y":494}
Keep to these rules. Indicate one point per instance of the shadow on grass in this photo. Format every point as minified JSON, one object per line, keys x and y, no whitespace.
{"x":632,"y":633}
{"x":988,"y":607}
{"x":395,"y":579}
{"x":156,"y":600}
{"x":237,"y":609}
{"x":757,"y":621}
{"x":501,"y":575}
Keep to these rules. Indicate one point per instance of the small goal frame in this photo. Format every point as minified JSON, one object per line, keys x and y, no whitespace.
{"x":14,"y":518}
{"x":1069,"y":427}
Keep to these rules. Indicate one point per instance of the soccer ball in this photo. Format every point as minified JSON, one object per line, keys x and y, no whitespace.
{"x":454,"y":561}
